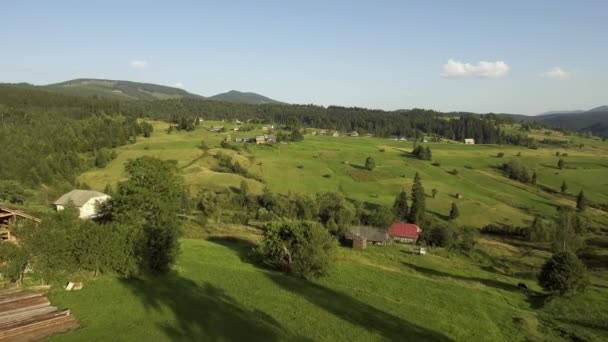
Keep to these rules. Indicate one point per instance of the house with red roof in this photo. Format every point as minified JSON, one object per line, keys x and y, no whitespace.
{"x":404,"y":232}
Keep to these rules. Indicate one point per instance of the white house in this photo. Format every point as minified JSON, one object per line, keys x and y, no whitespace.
{"x":469,"y":141}
{"x":85,"y":200}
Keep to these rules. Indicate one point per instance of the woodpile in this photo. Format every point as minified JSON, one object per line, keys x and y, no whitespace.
{"x":30,"y":317}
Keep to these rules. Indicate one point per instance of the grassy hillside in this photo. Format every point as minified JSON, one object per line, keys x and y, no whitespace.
{"x":240,"y":97}
{"x":324,"y":163}
{"x":217,"y":292}
{"x":118,"y":89}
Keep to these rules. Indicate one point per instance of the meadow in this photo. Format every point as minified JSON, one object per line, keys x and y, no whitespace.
{"x":219,"y":292}
{"x":326,"y":163}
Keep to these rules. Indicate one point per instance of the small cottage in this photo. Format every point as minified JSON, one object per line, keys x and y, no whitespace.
{"x":361,"y":236}
{"x":469,"y":141}
{"x":260,"y":139}
{"x":86,"y":201}
{"x":404,"y":232}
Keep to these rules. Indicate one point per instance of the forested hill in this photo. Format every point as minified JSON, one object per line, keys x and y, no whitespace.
{"x":241,"y":97}
{"x":119,"y":89}
{"x":593,"y":121}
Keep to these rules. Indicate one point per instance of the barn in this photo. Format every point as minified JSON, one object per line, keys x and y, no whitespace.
{"x":85,"y":200}
{"x":404,"y":232}
{"x":360,"y":236}
{"x":9,"y":218}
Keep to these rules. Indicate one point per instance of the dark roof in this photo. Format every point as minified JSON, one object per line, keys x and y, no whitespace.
{"x":366,"y":232}
{"x":404,"y":230}
{"x":19,"y":213}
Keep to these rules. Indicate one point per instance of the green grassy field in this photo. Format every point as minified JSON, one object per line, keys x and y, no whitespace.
{"x":382,"y":293}
{"x":325,"y":163}
{"x":218,"y":292}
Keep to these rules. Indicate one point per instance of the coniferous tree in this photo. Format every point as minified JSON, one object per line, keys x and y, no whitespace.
{"x":534,"y":178}
{"x":581,"y":201}
{"x":400,"y":207}
{"x":454,"y":213}
{"x":564,"y":187}
{"x":565,"y":273}
{"x":418,"y":208}
{"x":561,"y":164}
{"x":434,"y":192}
{"x":370,"y":163}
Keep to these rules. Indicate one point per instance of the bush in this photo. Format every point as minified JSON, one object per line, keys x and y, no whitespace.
{"x":565,"y":273}
{"x":303,"y":248}
{"x":506,"y":230}
{"x":516,"y":171}
{"x":500,"y":154}
{"x":454,"y":172}
{"x":436,"y":163}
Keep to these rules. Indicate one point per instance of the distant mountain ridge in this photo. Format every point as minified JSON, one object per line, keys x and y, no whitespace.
{"x":241,"y":97}
{"x":119,"y":89}
{"x":594,"y":120}
{"x":129,"y":90}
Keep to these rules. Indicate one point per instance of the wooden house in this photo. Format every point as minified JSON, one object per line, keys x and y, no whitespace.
{"x":360,"y":236}
{"x":9,"y":218}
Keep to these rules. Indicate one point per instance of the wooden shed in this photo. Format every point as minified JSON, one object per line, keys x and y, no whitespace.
{"x":9,"y":218}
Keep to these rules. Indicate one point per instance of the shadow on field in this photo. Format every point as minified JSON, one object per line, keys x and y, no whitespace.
{"x":337,"y":303}
{"x":487,"y":282}
{"x":535,"y":300}
{"x":356,"y":312}
{"x":591,"y":325}
{"x":204,"y":312}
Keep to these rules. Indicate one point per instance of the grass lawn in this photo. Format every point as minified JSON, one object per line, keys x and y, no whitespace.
{"x":382,"y":293}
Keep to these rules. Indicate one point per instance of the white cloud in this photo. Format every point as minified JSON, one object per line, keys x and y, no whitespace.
{"x":178,"y":85}
{"x":557,"y":73}
{"x":483,"y":69}
{"x":138,"y":64}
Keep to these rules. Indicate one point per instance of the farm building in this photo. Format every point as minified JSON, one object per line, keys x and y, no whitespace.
{"x":336,"y":134}
{"x":270,"y":139}
{"x":354,"y":134}
{"x":9,"y":218}
{"x":469,"y":141}
{"x":360,"y":236}
{"x":260,"y":140}
{"x":85,"y":200}
{"x":404,"y":232}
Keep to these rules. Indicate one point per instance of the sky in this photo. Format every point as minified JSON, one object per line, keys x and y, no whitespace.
{"x":523,"y":57}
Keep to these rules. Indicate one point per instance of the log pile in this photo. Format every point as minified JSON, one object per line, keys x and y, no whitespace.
{"x":30,"y":317}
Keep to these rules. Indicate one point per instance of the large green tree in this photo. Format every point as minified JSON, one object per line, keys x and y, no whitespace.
{"x":370,"y":163}
{"x":581,"y":201}
{"x":303,"y":248}
{"x":150,"y":200}
{"x":565,"y":273}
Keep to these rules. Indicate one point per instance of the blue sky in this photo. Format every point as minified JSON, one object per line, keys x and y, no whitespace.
{"x":502,"y":56}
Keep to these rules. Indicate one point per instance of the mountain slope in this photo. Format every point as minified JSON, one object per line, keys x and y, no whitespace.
{"x":240,"y":97}
{"x":118,"y":89}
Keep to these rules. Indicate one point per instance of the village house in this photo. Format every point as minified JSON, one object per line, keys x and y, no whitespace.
{"x":369,"y":135}
{"x":360,"y":236}
{"x":354,"y":134}
{"x":403,"y":139}
{"x":270,"y":139}
{"x":10,"y":218}
{"x":336,"y":134}
{"x":404,"y":232}
{"x":322,"y":132}
{"x":260,"y":140}
{"x":469,"y":141}
{"x":216,"y":128}
{"x":86,"y":201}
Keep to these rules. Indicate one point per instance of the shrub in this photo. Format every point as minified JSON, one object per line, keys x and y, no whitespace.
{"x":303,"y":248}
{"x":500,"y":154}
{"x":436,"y":163}
{"x":565,"y":273}
{"x":454,"y":172}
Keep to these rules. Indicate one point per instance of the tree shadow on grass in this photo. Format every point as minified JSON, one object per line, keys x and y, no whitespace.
{"x":356,"y":312}
{"x":534,"y":299}
{"x":337,"y":303}
{"x":204,"y":312}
